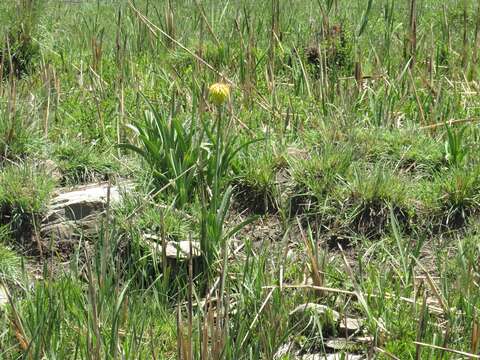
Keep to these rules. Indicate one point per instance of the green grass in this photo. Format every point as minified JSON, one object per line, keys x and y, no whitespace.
{"x":331,"y":164}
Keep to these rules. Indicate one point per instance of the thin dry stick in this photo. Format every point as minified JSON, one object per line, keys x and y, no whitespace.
{"x":47,"y":108}
{"x":16,"y":321}
{"x":433,"y":309}
{"x":434,"y":288}
{"x":458,"y":352}
{"x":311,"y":253}
{"x":421,"y":326}
{"x":475,"y":334}
{"x":190,"y":295}
{"x":312,"y":287}
{"x":257,"y":316}
{"x":417,"y":99}
{"x":450,"y":122}
{"x":95,"y":310}
{"x":413,"y":32}
{"x":358,"y":291}
{"x":386,"y":353}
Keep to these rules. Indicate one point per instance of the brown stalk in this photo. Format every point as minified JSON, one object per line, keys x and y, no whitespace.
{"x":47,"y":84}
{"x":476,"y":42}
{"x":475,"y":335}
{"x":434,"y":288}
{"x":449,"y":123}
{"x":190,"y":296}
{"x":95,"y":311}
{"x":315,"y":273}
{"x":417,"y":99}
{"x":16,"y":322}
{"x":458,"y":352}
{"x":170,"y":24}
{"x":465,"y":35}
{"x":421,"y":326}
{"x":413,"y":33}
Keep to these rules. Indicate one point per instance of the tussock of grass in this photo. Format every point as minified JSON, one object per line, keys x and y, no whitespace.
{"x":10,"y":263}
{"x":80,"y":163}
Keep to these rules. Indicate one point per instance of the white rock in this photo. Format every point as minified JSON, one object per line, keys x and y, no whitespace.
{"x":80,"y":202}
{"x":316,"y":309}
{"x":335,"y":356}
{"x":179,"y":250}
{"x":349,"y":325}
{"x":79,"y":210}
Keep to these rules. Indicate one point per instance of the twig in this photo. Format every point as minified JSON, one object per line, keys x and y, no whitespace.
{"x":434,"y":288}
{"x":313,"y":287}
{"x":257,"y":316}
{"x":450,"y":122}
{"x":386,"y":353}
{"x":458,"y":352}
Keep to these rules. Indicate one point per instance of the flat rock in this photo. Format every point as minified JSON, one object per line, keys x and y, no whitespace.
{"x":80,"y":210}
{"x":349,"y":325}
{"x":334,"y":356}
{"x":178,"y":250}
{"x":315,"y":309}
{"x":340,"y":344}
{"x":80,"y":202}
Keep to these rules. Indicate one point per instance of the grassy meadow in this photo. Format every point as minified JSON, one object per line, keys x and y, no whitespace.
{"x":339,"y":168}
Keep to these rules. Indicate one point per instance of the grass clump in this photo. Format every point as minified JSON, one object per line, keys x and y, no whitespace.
{"x":257,"y":187}
{"x":24,"y":194}
{"x":316,"y":177}
{"x":79,"y":163}
{"x":19,"y":51}
{"x":453,"y":196}
{"x":408,"y":150}
{"x":372,"y":193}
{"x":10,"y":263}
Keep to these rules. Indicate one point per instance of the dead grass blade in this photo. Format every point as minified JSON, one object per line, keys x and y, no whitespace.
{"x":475,"y":335}
{"x":449,"y":123}
{"x":16,"y":322}
{"x":265,"y":302}
{"x":358,"y":292}
{"x":315,"y":273}
{"x":453,"y":351}
{"x":434,"y":288}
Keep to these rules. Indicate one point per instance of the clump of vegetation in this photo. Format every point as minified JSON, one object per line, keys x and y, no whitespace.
{"x":256,"y":182}
{"x":333,"y":51}
{"x":316,"y":177}
{"x":10,"y":262}
{"x":410,"y":151}
{"x":372,"y":195}
{"x":19,"y":50}
{"x":18,"y":134}
{"x":80,"y":163}
{"x":24,"y":194}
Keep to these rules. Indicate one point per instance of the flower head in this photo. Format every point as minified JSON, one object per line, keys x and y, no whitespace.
{"x":218,"y":93}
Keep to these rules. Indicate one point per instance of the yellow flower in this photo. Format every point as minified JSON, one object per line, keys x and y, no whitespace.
{"x":218,"y":93}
